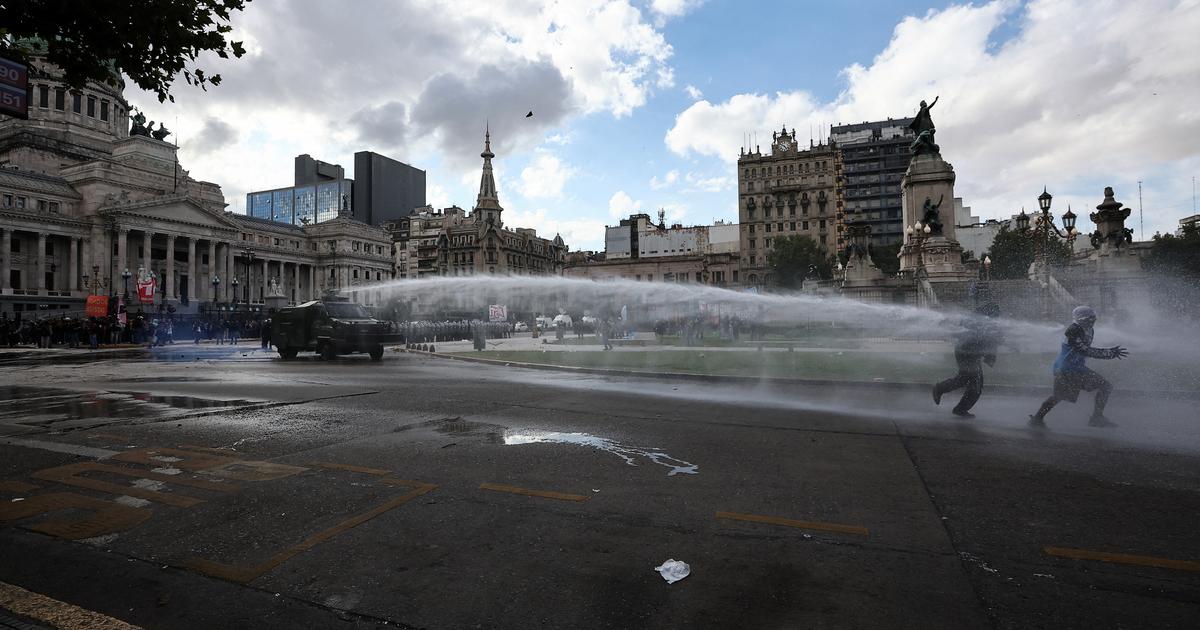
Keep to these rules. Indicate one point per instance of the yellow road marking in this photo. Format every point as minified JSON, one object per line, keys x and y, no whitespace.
{"x":72,"y":475}
{"x":379,"y":472}
{"x":246,"y":574}
{"x":18,"y":487}
{"x":546,"y":494}
{"x":787,"y":522}
{"x":1123,"y":558}
{"x":106,"y":517}
{"x":55,"y":613}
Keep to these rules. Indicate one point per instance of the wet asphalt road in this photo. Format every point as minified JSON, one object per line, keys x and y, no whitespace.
{"x":210,"y":487}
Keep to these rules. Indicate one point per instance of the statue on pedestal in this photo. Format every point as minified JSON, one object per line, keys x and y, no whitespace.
{"x":161,"y":133}
{"x":273,"y":288}
{"x":922,"y":127}
{"x":932,"y":218}
{"x":138,"y":127}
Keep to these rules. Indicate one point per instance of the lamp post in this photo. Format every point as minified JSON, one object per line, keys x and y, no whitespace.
{"x":1044,"y":230}
{"x":125,"y":275}
{"x":216,"y":282}
{"x":248,"y":254}
{"x":235,"y":292}
{"x":987,"y":268}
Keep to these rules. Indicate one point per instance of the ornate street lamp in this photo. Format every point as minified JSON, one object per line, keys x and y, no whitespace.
{"x":987,"y":268}
{"x":235,"y":292}
{"x":216,"y":282}
{"x":125,"y":275}
{"x":1044,"y":230}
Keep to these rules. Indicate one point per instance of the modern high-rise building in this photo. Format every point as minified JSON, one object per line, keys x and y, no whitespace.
{"x":319,"y":191}
{"x":874,"y":158}
{"x":385,"y":189}
{"x":791,"y":191}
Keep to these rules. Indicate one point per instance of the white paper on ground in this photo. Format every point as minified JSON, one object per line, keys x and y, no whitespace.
{"x":673,"y":570}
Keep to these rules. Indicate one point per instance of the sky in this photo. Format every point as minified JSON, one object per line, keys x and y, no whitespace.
{"x":641,"y":105}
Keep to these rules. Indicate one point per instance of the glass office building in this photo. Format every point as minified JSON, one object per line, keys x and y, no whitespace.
{"x":301,"y":205}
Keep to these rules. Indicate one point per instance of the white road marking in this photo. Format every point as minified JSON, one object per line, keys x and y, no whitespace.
{"x":59,"y":447}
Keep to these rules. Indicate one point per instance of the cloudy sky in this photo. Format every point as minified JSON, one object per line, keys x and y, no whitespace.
{"x":644,"y":104}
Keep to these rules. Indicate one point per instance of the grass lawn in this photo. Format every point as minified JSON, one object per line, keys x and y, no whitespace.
{"x":1010,"y":369}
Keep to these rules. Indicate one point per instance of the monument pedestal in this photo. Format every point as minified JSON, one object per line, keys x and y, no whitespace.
{"x":929,"y":181}
{"x":275,"y":302}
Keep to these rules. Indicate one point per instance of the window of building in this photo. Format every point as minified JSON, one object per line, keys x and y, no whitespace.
{"x":91,"y":106}
{"x":8,"y":201}
{"x":53,"y":207}
{"x":331,"y":274}
{"x":43,"y":96}
{"x":49,"y":248}
{"x":752,"y":259}
{"x":20,"y":202}
{"x":804,"y":225}
{"x":768,"y":228}
{"x":767,"y":243}
{"x":332,"y":245}
{"x":77,"y":103}
{"x":59,"y":99}
{"x":355,"y":274}
{"x":103,"y":110}
{"x":792,"y":226}
{"x":752,"y":242}
{"x":16,"y":246}
{"x":779,"y":227}
{"x":42,"y":205}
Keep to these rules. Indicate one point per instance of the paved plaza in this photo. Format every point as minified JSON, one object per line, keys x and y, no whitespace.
{"x":427,"y":493}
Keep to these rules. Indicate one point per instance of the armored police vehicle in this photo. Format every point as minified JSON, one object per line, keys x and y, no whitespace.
{"x":330,"y":327}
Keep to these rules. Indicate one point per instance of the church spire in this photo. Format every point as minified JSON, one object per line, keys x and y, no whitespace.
{"x":487,"y":204}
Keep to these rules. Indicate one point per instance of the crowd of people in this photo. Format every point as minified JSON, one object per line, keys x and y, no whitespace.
{"x":76,"y":331}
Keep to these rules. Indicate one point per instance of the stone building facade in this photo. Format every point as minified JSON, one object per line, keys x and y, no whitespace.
{"x":82,"y":200}
{"x":454,"y":243}
{"x":639,"y":250}
{"x":791,"y":191}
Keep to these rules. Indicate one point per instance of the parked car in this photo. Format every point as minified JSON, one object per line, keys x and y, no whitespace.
{"x":520,"y":327}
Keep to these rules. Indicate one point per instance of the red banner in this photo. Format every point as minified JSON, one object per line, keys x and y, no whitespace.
{"x":97,"y":306}
{"x":145,"y":290}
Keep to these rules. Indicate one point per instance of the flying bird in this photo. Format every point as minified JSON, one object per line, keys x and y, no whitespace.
{"x":530,"y":114}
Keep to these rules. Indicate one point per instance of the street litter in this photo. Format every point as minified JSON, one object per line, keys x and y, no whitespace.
{"x":673,"y":570}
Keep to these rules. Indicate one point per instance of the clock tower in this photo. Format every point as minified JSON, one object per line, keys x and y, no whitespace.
{"x":784,"y":142}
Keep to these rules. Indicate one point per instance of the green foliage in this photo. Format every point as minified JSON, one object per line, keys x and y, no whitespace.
{"x":1176,"y":255}
{"x":791,"y":257}
{"x":886,"y":258}
{"x":1174,"y":267}
{"x":1013,"y":251}
{"x":150,"y":41}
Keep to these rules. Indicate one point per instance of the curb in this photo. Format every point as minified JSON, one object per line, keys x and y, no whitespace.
{"x":778,"y":380}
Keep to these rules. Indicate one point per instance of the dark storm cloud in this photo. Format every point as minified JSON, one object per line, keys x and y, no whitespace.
{"x":454,"y":109}
{"x":384,"y":126}
{"x":215,"y":135}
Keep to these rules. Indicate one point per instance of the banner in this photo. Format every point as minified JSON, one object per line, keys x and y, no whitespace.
{"x":145,"y":290}
{"x":97,"y":306}
{"x":122,"y":318}
{"x":498,"y":313}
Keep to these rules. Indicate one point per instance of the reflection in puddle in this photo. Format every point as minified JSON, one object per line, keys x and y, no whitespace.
{"x":627,"y":453}
{"x":44,"y":406}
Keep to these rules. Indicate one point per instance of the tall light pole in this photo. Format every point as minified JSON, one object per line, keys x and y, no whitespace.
{"x":1044,"y":230}
{"x":125,"y":275}
{"x":248,"y":254}
{"x":216,"y":282}
{"x":235,"y":293}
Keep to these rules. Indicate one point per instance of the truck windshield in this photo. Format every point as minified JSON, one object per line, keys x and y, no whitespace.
{"x":346,"y":310}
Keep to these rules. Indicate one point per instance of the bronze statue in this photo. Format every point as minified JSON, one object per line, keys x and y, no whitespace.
{"x":161,"y":133}
{"x":922,"y":127}
{"x":932,"y":216}
{"x":138,"y":127}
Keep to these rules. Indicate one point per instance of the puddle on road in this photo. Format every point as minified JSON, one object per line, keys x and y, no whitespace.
{"x":491,"y":433}
{"x":43,"y":406}
{"x":674,"y":465}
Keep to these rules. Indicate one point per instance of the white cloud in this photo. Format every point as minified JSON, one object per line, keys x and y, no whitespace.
{"x":578,"y":233}
{"x":1082,"y":93}
{"x":621,"y":205}
{"x":436,"y":196}
{"x":544,"y":177}
{"x":693,"y":92}
{"x":670,"y":178}
{"x":707,"y":184}
{"x":664,"y":10}
{"x":461,"y":65}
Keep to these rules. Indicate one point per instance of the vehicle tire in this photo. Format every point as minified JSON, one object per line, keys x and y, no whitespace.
{"x":327,"y":352}
{"x":287,"y":353}
{"x":376,"y":353}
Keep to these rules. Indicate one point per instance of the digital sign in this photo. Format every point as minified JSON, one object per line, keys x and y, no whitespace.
{"x":14,"y":88}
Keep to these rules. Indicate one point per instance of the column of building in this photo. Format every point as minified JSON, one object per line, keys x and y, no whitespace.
{"x":5,"y":256}
{"x":191,"y":292}
{"x":266,"y":274}
{"x":121,"y":261}
{"x":40,"y":281}
{"x":169,"y":284}
{"x":214,"y":279}
{"x":73,"y":269}
{"x":230,"y":290}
